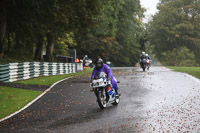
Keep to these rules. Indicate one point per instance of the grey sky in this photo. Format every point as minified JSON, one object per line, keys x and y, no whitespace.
{"x":150,"y":6}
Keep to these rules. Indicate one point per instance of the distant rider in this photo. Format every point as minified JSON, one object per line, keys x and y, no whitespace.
{"x":148,"y":58}
{"x":142,"y":56}
{"x":101,"y":67}
{"x":84,"y":59}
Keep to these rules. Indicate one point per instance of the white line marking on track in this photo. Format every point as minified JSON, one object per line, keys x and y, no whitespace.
{"x":30,"y":103}
{"x":192,"y":77}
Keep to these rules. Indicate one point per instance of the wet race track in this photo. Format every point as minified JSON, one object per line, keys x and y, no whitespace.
{"x":154,"y":101}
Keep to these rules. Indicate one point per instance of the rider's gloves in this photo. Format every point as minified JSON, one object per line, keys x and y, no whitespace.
{"x":91,"y":82}
{"x":109,"y":80}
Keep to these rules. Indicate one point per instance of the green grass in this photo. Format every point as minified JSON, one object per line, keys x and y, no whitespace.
{"x":195,"y":71}
{"x":49,"y":80}
{"x":12,"y":99}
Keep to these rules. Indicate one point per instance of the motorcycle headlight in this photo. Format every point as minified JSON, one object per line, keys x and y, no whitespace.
{"x":96,"y":84}
{"x":101,"y":82}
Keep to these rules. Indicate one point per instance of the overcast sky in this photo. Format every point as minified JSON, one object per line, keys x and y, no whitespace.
{"x":150,"y":6}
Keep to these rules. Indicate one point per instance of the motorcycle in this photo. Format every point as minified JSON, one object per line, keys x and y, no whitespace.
{"x":87,"y":63}
{"x":144,"y":64}
{"x":104,"y":91}
{"x":148,"y":64}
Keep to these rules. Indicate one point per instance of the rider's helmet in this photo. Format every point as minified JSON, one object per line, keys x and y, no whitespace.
{"x":147,"y":55}
{"x":143,"y":53}
{"x":99,"y":63}
{"x":86,"y":56}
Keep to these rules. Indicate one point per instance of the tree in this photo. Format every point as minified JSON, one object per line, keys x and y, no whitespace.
{"x":68,"y":16}
{"x":117,"y":34}
{"x":181,"y":57}
{"x":130,"y":31}
{"x":108,"y":29}
{"x":176,"y":25}
{"x":2,"y":25}
{"x":32,"y":24}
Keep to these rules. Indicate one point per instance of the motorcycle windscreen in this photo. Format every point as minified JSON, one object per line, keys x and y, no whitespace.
{"x":144,"y":61}
{"x":99,"y":75}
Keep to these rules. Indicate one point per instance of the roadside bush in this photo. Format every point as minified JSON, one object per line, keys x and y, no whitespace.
{"x":178,"y":57}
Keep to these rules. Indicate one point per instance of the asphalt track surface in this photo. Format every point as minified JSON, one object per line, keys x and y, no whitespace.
{"x":158,"y":100}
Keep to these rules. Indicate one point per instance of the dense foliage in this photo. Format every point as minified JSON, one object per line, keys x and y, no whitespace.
{"x":174,"y":32}
{"x":118,"y":34}
{"x":111,"y":29}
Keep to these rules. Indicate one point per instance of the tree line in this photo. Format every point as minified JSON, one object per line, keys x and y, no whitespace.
{"x":174,"y":32}
{"x":111,"y":29}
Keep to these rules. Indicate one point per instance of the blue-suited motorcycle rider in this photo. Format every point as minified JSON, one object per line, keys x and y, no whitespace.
{"x":101,"y":67}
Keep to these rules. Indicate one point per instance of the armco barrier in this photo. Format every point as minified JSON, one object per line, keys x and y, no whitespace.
{"x":20,"y":71}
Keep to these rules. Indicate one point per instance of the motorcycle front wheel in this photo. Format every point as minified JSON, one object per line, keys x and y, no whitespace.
{"x":101,"y":99}
{"x":148,"y":67}
{"x":143,"y":68}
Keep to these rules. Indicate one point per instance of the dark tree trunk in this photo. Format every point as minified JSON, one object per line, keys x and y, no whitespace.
{"x":39,"y":49}
{"x":17,"y":43}
{"x":9,"y":42}
{"x":50,"y":47}
{"x":2,"y":25}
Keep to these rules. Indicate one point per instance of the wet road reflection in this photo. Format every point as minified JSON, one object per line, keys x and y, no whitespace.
{"x":158,"y":100}
{"x":167,"y":101}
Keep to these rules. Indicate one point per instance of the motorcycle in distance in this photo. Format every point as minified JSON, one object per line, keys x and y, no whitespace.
{"x":148,"y":64}
{"x":87,"y":63}
{"x":144,"y":64}
{"x":104,"y":91}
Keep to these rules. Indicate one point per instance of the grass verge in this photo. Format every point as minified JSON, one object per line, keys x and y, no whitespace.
{"x":13,"y":99}
{"x":195,"y":71}
{"x":49,"y":80}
